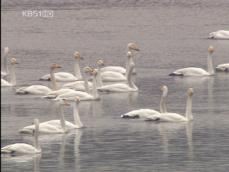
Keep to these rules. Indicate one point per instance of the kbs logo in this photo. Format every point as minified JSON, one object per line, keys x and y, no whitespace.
{"x":38,"y":13}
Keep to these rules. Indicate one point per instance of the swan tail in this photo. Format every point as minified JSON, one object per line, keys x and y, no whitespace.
{"x":21,"y":90}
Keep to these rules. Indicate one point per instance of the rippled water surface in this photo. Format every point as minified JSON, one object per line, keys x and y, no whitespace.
{"x":171,"y":34}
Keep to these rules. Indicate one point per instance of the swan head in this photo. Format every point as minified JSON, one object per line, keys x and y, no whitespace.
{"x":87,"y":69}
{"x":55,"y":66}
{"x":164,"y":90}
{"x":77,"y":99}
{"x":190,"y":91}
{"x":100,"y":62}
{"x":133,"y":46}
{"x":6,"y":50}
{"x":77,"y":56}
{"x":94,"y":72}
{"x":13,"y":61}
{"x":129,"y":54}
{"x":211,"y":49}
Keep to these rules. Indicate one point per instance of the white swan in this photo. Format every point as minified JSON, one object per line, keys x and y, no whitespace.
{"x":109,"y":76}
{"x":84,"y":85}
{"x":70,"y":95}
{"x":131,"y":47}
{"x":193,"y":71}
{"x":40,"y":89}
{"x":12,"y":82}
{"x":52,"y":126}
{"x":146,"y":113}
{"x":5,"y":70}
{"x":220,"y":34}
{"x":223,"y":67}
{"x":65,"y":76}
{"x":174,"y":117}
{"x":23,"y":148}
{"x":121,"y":87}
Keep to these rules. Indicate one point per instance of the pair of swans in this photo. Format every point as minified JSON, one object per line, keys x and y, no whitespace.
{"x":132,"y":47}
{"x":163,"y":115}
{"x":220,"y":34}
{"x":23,"y":148}
{"x":61,"y":125}
{"x":65,"y":76}
{"x":12,"y":82}
{"x":5,"y":70}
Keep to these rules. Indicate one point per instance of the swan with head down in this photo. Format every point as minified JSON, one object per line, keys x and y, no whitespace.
{"x":222,"y":67}
{"x":132,"y":47}
{"x":220,"y":34}
{"x":194,"y":71}
{"x":65,"y":76}
{"x":23,"y":148}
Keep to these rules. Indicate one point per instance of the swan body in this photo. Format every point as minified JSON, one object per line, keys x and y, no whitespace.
{"x":34,"y":89}
{"x":23,"y":148}
{"x":110,"y":76}
{"x":77,"y":85}
{"x":193,"y":71}
{"x":5,"y":83}
{"x":55,"y":93}
{"x":223,"y":67}
{"x":118,"y":69}
{"x":220,"y":34}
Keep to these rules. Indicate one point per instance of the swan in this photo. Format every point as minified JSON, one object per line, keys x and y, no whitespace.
{"x":23,"y":148}
{"x":40,"y":89}
{"x":131,"y":47}
{"x":174,"y":117}
{"x":5,"y":70}
{"x":65,"y":76}
{"x":84,"y":85}
{"x":109,"y":76}
{"x":12,"y":82}
{"x":50,"y":127}
{"x":220,"y":34}
{"x":121,"y":87}
{"x":70,"y":95}
{"x":193,"y":71}
{"x":223,"y":67}
{"x":146,"y":113}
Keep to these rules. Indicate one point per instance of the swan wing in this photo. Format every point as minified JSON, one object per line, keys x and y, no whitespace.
{"x":71,"y":95}
{"x":141,"y":113}
{"x":34,"y":89}
{"x":190,"y":71}
{"x":112,"y":76}
{"x":119,"y":87}
{"x":114,"y":69}
{"x":19,"y":148}
{"x":5,"y":83}
{"x":60,"y":76}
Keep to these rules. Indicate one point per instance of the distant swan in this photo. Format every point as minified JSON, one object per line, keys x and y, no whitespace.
{"x":50,"y":127}
{"x":220,"y":34}
{"x":146,"y":113}
{"x":131,"y":47}
{"x":223,"y":67}
{"x":23,"y":148}
{"x":12,"y":82}
{"x":65,"y":76}
{"x":121,"y":87}
{"x":40,"y":89}
{"x":5,"y":70}
{"x":174,"y":117}
{"x":193,"y":71}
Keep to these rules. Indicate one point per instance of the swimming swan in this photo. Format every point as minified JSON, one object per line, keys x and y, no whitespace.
{"x":40,"y":89}
{"x":5,"y":70}
{"x":193,"y":71}
{"x":223,"y":67}
{"x":220,"y":34}
{"x":174,"y":117}
{"x":50,"y":127}
{"x":121,"y":87}
{"x":23,"y":148}
{"x":146,"y":113}
{"x":131,"y":47}
{"x":12,"y":82}
{"x":65,"y":76}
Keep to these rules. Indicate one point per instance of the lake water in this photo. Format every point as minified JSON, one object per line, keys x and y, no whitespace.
{"x":171,"y":34}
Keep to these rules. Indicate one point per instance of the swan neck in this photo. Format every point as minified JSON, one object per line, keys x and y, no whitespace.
{"x":5,"y":62}
{"x":210,"y":65}
{"x":163,"y":108}
{"x":188,"y":112}
{"x":12,"y":75}
{"x":62,"y":118}
{"x":94,"y":88}
{"x":99,"y":78}
{"x":86,"y":85}
{"x":36,"y":134}
{"x":76,"y":116}
{"x":53,"y":80}
{"x":129,"y":78}
{"x":77,"y":69}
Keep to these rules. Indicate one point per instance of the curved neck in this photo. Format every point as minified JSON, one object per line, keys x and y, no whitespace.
{"x":5,"y":66}
{"x":62,"y":119}
{"x":36,"y":133}
{"x":129,"y":78}
{"x":99,"y":78}
{"x":86,"y":85}
{"x":128,"y":62}
{"x":53,"y":80}
{"x":163,"y":108}
{"x":210,"y":64}
{"x":94,"y":88}
{"x":77,"y":69}
{"x":12,"y":75}
{"x":76,"y":116}
{"x":188,"y":112}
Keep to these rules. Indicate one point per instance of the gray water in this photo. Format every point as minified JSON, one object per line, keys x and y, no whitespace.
{"x":171,"y":35}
